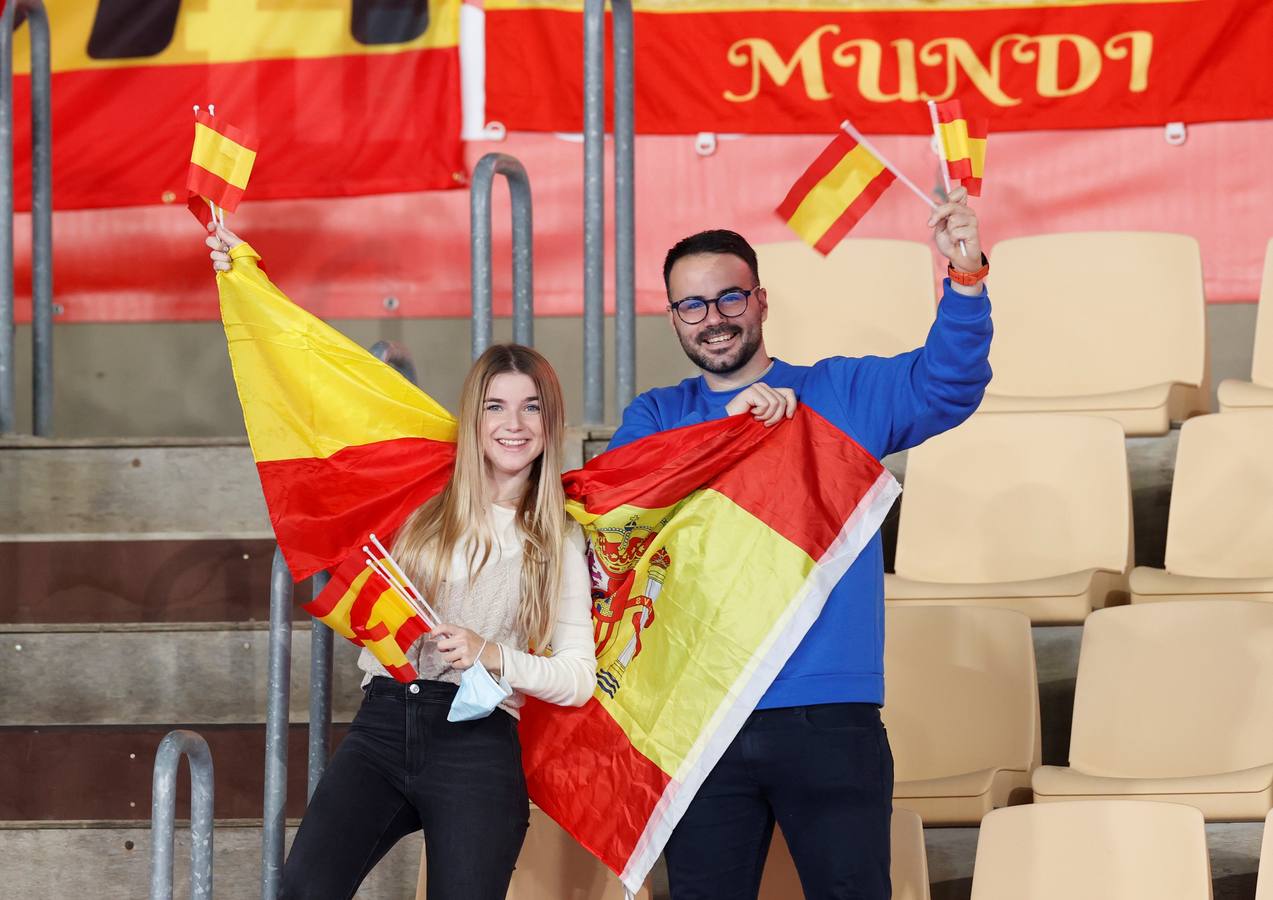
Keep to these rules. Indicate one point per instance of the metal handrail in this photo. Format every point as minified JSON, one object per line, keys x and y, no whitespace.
{"x":163,"y":812}
{"x":594,"y":208}
{"x":484,"y":173}
{"x":41,"y":218}
{"x":278,"y":699}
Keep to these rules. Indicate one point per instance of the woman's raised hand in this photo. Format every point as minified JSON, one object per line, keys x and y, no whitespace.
{"x":222,"y":240}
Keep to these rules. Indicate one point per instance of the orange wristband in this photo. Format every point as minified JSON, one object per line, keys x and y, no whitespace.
{"x":968,"y":279}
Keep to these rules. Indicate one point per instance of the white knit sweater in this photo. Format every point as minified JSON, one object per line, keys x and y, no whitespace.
{"x":489,"y":607}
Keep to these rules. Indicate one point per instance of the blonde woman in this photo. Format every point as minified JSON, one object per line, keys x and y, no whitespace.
{"x":495,"y":555}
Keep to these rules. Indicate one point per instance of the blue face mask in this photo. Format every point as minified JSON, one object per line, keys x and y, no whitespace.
{"x":479,"y":693}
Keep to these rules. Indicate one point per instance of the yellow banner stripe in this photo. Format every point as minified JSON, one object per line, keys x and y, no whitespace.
{"x":834,"y":194}
{"x":844,"y":6}
{"x":721,"y":595}
{"x":228,"y":31}
{"x":316,"y":391}
{"x":221,"y":156}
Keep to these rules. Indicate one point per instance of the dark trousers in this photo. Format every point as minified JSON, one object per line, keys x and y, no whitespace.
{"x":403,"y":767}
{"x":825,"y":773}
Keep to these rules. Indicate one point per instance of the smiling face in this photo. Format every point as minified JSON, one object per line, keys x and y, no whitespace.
{"x":512,"y":423}
{"x":719,"y":345}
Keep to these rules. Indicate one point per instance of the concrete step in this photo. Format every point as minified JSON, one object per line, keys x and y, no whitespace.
{"x":111,"y":861}
{"x":104,"y":772}
{"x":127,"y":675}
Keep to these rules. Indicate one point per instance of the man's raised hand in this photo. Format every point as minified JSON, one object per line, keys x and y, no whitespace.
{"x":955,"y":221}
{"x":767,"y":404}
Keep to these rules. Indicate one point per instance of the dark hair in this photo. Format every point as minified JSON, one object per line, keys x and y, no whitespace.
{"x":718,"y":240}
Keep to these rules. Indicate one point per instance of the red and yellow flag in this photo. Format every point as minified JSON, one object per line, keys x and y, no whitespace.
{"x":713,"y":549}
{"x":344,"y":445}
{"x":834,"y":193}
{"x":220,"y":165}
{"x":963,"y":141}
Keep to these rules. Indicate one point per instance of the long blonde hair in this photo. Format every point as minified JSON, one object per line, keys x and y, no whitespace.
{"x":428,"y":539}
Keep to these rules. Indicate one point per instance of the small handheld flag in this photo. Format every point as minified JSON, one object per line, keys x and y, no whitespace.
{"x":963,"y":144}
{"x":835,"y":192}
{"x":220,"y":164}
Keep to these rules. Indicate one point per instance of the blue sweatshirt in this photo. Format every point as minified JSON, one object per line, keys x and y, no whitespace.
{"x":886,"y":405}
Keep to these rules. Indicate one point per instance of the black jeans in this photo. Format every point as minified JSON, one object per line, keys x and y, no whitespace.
{"x":404,"y":767}
{"x":826,"y":773}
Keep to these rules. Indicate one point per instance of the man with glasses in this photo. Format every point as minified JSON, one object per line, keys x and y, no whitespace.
{"x":813,"y":755}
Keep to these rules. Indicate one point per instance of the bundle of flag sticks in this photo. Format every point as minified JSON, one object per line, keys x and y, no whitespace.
{"x":387,"y":568}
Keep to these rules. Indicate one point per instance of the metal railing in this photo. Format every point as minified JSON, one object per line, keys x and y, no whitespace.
{"x":594,"y":125}
{"x":484,"y":173}
{"x":163,"y":812}
{"x":41,"y":218}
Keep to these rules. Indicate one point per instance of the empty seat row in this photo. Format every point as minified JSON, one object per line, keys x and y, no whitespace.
{"x":1033,"y":512}
{"x":1130,"y":345}
{"x":1173,"y":701}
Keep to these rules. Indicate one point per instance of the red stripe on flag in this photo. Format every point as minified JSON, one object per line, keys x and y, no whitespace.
{"x":214,"y":187}
{"x":579,"y":763}
{"x":661,"y":469}
{"x":973,"y":185}
{"x":369,"y":487}
{"x":810,"y":509}
{"x":405,"y":673}
{"x":979,"y":127}
{"x":360,"y":612}
{"x":827,"y":160}
{"x":410,"y":630}
{"x":857,"y":209}
{"x":960,"y":168}
{"x":950,"y":111}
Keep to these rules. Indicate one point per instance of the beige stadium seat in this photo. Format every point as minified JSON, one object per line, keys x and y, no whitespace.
{"x":1028,"y":512}
{"x":865,"y":298}
{"x":1174,"y":702}
{"x":1264,"y":880}
{"x":908,"y":865}
{"x":1108,"y":850}
{"x":961,"y":708}
{"x":1220,"y":526}
{"x":554,"y":867}
{"x":1103,"y":323}
{"x":1258,"y":392}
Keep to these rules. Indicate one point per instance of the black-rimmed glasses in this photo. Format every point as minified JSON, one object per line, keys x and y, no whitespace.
{"x":730,"y":305}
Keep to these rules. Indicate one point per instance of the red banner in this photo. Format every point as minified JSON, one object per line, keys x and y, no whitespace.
{"x":355,"y":97}
{"x":802,"y":67}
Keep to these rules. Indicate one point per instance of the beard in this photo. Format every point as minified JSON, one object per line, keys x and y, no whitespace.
{"x":748,"y":344}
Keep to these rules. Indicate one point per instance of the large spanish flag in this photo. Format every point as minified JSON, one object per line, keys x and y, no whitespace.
{"x":714,"y":548}
{"x":343,"y":443}
{"x":834,"y":193}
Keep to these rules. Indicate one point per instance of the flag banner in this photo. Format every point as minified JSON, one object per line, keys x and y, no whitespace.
{"x":801,"y":66}
{"x":343,"y":443}
{"x":834,"y":193}
{"x":963,"y":145}
{"x":221,"y":163}
{"x":713,"y":549}
{"x":351,"y":96}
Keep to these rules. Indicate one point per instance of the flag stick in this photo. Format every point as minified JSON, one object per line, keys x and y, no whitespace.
{"x":393,"y":583}
{"x":857,"y":136}
{"x":945,"y":168}
{"x":403,"y":575}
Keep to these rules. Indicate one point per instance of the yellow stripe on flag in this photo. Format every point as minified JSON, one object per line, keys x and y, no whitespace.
{"x":390,"y":609}
{"x":834,"y":194}
{"x":977,"y":155}
{"x":287,"y":355}
{"x":228,"y":160}
{"x":954,"y":137}
{"x":712,"y":604}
